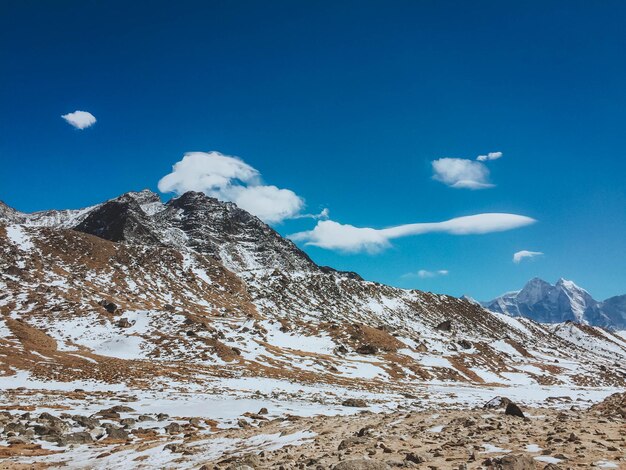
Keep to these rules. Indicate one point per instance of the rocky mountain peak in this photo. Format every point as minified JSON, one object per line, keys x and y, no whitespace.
{"x":8,"y":214}
{"x":563,"y":301}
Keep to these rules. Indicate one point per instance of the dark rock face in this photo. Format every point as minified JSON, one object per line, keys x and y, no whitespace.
{"x":220,"y":229}
{"x":108,"y":306}
{"x":367,"y":349}
{"x":119,"y":220}
{"x":513,"y":410}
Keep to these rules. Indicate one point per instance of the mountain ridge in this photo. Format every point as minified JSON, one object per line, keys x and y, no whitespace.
{"x":196,"y":288}
{"x":563,"y":301}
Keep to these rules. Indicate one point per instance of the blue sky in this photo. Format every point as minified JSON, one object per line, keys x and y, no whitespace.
{"x":346,"y":104}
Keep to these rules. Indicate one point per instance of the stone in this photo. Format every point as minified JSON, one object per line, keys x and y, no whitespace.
{"x":173,"y":428}
{"x":108,"y":306}
{"x":497,"y":402}
{"x":116,"y":433}
{"x":513,"y":410}
{"x":351,"y":442}
{"x":123,"y":323}
{"x":361,"y":464}
{"x":86,"y":422}
{"x":355,"y":402}
{"x":415,"y":458}
{"x":367,"y":349}
{"x":514,"y":462}
{"x":75,"y":438}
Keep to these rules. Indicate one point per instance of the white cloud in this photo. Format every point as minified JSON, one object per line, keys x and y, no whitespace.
{"x":520,"y":255}
{"x":490,"y":156}
{"x":461,"y":173}
{"x":342,"y":237}
{"x":80,"y":119}
{"x":322,"y":215}
{"x":231,"y":179}
{"x":425,"y":274}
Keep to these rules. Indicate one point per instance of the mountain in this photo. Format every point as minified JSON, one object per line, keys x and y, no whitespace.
{"x":563,"y":301}
{"x":196,"y":290}
{"x":150,"y":334}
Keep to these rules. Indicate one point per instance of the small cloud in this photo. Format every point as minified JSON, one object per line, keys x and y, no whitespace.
{"x":424,"y":274}
{"x":520,"y":255}
{"x":231,"y":179}
{"x":80,"y":119}
{"x":333,"y":235}
{"x":323,"y":215}
{"x":461,"y":173}
{"x":490,"y":156}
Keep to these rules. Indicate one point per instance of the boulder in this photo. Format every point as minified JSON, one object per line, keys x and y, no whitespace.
{"x":496,"y":403}
{"x":75,"y":438}
{"x":116,"y":433}
{"x":108,"y":306}
{"x":123,"y":323}
{"x":351,"y":442}
{"x":173,"y":428}
{"x":513,"y":410}
{"x":367,"y":349}
{"x":415,"y":458}
{"x":354,"y":402}
{"x":514,"y":462}
{"x":86,"y":422}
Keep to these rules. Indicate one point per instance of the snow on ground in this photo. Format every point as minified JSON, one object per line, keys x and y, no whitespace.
{"x":4,"y":329}
{"x":322,"y":344}
{"x":19,"y":237}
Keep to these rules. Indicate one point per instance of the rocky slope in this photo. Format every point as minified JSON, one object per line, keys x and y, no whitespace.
{"x":563,"y":301}
{"x":197,"y":305}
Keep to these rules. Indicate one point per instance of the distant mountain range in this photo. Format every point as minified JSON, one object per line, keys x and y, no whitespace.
{"x":563,"y":301}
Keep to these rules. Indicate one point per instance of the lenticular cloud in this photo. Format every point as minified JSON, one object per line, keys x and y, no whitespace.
{"x":342,"y":237}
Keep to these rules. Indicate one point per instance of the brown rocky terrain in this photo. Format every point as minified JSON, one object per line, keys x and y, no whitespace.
{"x":141,"y":334}
{"x":485,"y":437}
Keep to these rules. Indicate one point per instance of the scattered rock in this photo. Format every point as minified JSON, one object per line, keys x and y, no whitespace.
{"x":108,"y":306}
{"x":497,"y":402}
{"x":351,"y":442}
{"x":123,"y":323}
{"x":367,"y":349}
{"x":612,"y":406}
{"x":361,"y":464}
{"x":415,"y":458}
{"x":512,"y":462}
{"x":116,"y":433}
{"x":513,"y":410}
{"x":355,"y":402}
{"x":86,"y":422}
{"x":75,"y":438}
{"x":173,"y":428}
